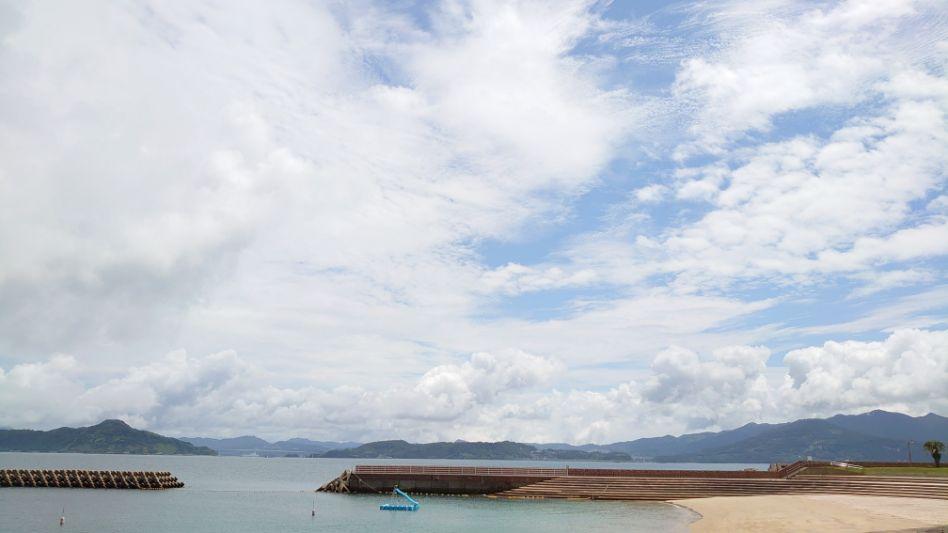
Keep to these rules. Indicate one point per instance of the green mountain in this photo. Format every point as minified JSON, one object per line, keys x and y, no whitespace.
{"x":876,"y":435}
{"x":506,"y":450}
{"x":786,"y":443}
{"x":109,"y":436}
{"x":669,"y":445}
{"x":873,"y":436}
{"x":895,"y":425}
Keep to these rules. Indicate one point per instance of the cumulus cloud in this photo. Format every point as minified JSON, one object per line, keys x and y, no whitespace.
{"x":34,"y":394}
{"x":496,"y":395}
{"x":683,"y":391}
{"x":449,"y":391}
{"x":221,"y":392}
{"x":907,"y":371}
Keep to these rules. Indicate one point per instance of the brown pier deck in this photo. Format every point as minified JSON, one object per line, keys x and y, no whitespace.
{"x":89,"y":479}
{"x":615,"y":484}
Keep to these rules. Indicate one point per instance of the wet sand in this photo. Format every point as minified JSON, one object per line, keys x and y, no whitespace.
{"x":816,"y":512}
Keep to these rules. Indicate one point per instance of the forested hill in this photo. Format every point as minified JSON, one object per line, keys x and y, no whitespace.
{"x":109,"y":436}
{"x":873,"y":436}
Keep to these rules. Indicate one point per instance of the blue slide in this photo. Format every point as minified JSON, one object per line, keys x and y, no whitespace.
{"x":412,"y":506}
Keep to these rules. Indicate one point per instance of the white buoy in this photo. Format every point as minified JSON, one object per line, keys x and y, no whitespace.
{"x":62,"y":518}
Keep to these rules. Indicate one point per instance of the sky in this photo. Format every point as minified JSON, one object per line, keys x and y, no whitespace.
{"x":552,"y":221}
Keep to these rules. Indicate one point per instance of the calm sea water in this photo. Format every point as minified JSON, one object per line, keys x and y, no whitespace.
{"x":245,"y":494}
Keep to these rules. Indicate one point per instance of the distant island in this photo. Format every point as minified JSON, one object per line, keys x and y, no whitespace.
{"x":505,"y":450}
{"x":249,"y":445}
{"x":109,"y":436}
{"x":873,"y":436}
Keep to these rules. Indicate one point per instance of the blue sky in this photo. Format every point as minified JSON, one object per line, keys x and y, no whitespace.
{"x":544,"y":221}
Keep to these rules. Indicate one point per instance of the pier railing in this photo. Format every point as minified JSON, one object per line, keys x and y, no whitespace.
{"x":787,"y":471}
{"x":434,"y":470}
{"x":459,"y":470}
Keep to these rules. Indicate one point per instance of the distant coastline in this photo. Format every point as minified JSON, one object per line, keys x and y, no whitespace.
{"x":873,"y":436}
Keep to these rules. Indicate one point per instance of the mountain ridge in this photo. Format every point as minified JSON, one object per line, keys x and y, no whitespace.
{"x":252,"y":445}
{"x":872,"y":436}
{"x":108,"y":436}
{"x":875,"y":435}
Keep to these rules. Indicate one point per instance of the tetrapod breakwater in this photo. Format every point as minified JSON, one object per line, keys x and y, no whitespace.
{"x":89,"y":479}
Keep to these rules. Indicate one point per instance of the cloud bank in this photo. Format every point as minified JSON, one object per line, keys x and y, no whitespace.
{"x":485,"y":396}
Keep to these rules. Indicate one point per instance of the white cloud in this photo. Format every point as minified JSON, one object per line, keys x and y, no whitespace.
{"x":222,"y":393}
{"x":514,"y":278}
{"x":34,"y":394}
{"x":906,"y":372}
{"x":447,"y":392}
{"x":793,"y":200}
{"x":197,"y":162}
{"x":924,"y":309}
{"x":786,"y":56}
{"x":496,"y":395}
{"x":880,"y":281}
{"x":650,"y":193}
{"x":797,"y":208}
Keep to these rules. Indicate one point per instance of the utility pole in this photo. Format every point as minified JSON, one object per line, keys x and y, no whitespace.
{"x":910,"y":443}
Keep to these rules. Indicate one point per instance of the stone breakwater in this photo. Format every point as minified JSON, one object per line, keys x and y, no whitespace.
{"x":89,"y":479}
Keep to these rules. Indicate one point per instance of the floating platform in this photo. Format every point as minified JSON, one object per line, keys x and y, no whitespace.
{"x":89,"y":479}
{"x":620,"y":484}
{"x":412,"y":504}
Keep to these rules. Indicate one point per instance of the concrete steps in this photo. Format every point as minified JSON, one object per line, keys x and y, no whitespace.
{"x":656,"y":488}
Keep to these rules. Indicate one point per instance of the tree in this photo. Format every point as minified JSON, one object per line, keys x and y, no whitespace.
{"x":935,"y":447}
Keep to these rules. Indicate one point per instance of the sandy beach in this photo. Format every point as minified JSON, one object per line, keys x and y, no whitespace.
{"x":816,"y":513}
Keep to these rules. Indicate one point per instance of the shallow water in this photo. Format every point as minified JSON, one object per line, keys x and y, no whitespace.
{"x":245,"y":494}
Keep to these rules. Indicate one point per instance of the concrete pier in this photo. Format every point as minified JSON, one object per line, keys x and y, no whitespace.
{"x":619,"y":484}
{"x":437,"y":479}
{"x":89,"y":479}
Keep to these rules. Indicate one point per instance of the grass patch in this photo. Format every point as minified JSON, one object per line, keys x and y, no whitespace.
{"x":926,"y":471}
{"x":831,"y":471}
{"x":929,"y":471}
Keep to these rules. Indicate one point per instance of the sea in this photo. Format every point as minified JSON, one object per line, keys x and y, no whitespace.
{"x":257,"y":494}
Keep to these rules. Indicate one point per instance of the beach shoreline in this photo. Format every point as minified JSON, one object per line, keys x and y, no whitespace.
{"x":815,"y":512}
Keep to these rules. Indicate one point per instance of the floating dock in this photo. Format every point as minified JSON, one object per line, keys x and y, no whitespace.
{"x":89,"y":479}
{"x":619,"y":484}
